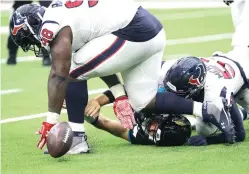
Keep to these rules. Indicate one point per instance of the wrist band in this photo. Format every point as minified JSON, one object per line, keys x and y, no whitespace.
{"x":110,"y":96}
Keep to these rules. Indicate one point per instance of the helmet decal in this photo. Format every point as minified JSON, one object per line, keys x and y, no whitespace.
{"x":197,"y":81}
{"x":18,"y":22}
{"x":171,"y":86}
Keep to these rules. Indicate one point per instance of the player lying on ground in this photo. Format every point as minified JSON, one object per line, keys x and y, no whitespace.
{"x":222,"y":74}
{"x":240,"y":54}
{"x":186,"y":77}
{"x":68,"y":27}
{"x":151,"y":129}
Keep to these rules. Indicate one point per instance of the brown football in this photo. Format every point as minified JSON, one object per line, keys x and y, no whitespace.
{"x":59,"y":139}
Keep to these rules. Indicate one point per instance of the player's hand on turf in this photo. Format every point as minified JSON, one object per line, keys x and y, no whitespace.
{"x":124,"y":112}
{"x":43,"y":132}
{"x":92,"y":108}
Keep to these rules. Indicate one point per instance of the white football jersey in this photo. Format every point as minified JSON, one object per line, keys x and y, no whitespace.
{"x":221,"y":72}
{"x":87,"y":19}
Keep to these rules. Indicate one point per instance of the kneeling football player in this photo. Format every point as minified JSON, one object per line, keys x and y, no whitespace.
{"x":224,"y":75}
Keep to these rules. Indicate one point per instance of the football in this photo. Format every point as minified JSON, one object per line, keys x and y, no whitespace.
{"x":59,"y":139}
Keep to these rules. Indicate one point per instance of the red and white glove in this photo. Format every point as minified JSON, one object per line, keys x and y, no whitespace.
{"x":124,"y":112}
{"x":43,"y":132}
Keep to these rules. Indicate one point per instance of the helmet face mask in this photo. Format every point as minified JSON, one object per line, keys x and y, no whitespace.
{"x":166,"y":129}
{"x":186,"y":77}
{"x":24,"y":27}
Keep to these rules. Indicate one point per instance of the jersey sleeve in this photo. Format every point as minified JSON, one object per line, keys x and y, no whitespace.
{"x":48,"y":32}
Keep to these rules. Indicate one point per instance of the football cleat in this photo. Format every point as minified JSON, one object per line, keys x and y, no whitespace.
{"x":80,"y":144}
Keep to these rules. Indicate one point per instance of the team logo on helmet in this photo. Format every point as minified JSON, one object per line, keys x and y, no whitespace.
{"x":198,"y":80}
{"x":18,"y":22}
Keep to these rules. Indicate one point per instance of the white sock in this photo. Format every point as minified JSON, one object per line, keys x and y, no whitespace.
{"x":197,"y":110}
{"x":53,"y":118}
{"x":77,"y":127}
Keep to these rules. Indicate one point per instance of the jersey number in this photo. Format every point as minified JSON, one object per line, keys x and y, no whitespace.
{"x":47,"y":36}
{"x":77,"y":3}
{"x":227,"y":71}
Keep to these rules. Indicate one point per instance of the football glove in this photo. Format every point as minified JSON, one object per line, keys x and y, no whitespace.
{"x":124,"y":112}
{"x":43,"y":132}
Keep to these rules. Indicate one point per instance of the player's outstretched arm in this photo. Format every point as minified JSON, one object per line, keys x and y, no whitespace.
{"x":112,"y":126}
{"x":57,"y":82}
{"x":61,"y":51}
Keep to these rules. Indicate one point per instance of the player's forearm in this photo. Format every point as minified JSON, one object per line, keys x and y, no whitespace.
{"x":61,"y":50}
{"x":57,"y":85}
{"x":112,"y":126}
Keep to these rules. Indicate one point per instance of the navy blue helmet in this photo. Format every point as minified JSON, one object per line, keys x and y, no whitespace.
{"x":186,"y":77}
{"x":25,"y":26}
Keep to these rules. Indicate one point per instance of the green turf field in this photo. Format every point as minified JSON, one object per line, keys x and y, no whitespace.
{"x":110,"y":155}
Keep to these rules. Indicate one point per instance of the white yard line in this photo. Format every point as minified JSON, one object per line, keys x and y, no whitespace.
{"x":34,"y":116}
{"x":200,"y":39}
{"x":192,"y":15}
{"x":23,"y":59}
{"x":10,"y":91}
{"x":28,"y":117}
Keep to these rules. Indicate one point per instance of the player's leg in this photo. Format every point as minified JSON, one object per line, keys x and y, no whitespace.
{"x":140,"y":67}
{"x":141,"y":81}
{"x":236,"y":11}
{"x":76,"y":101}
{"x":109,"y":54}
{"x":240,"y":40}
